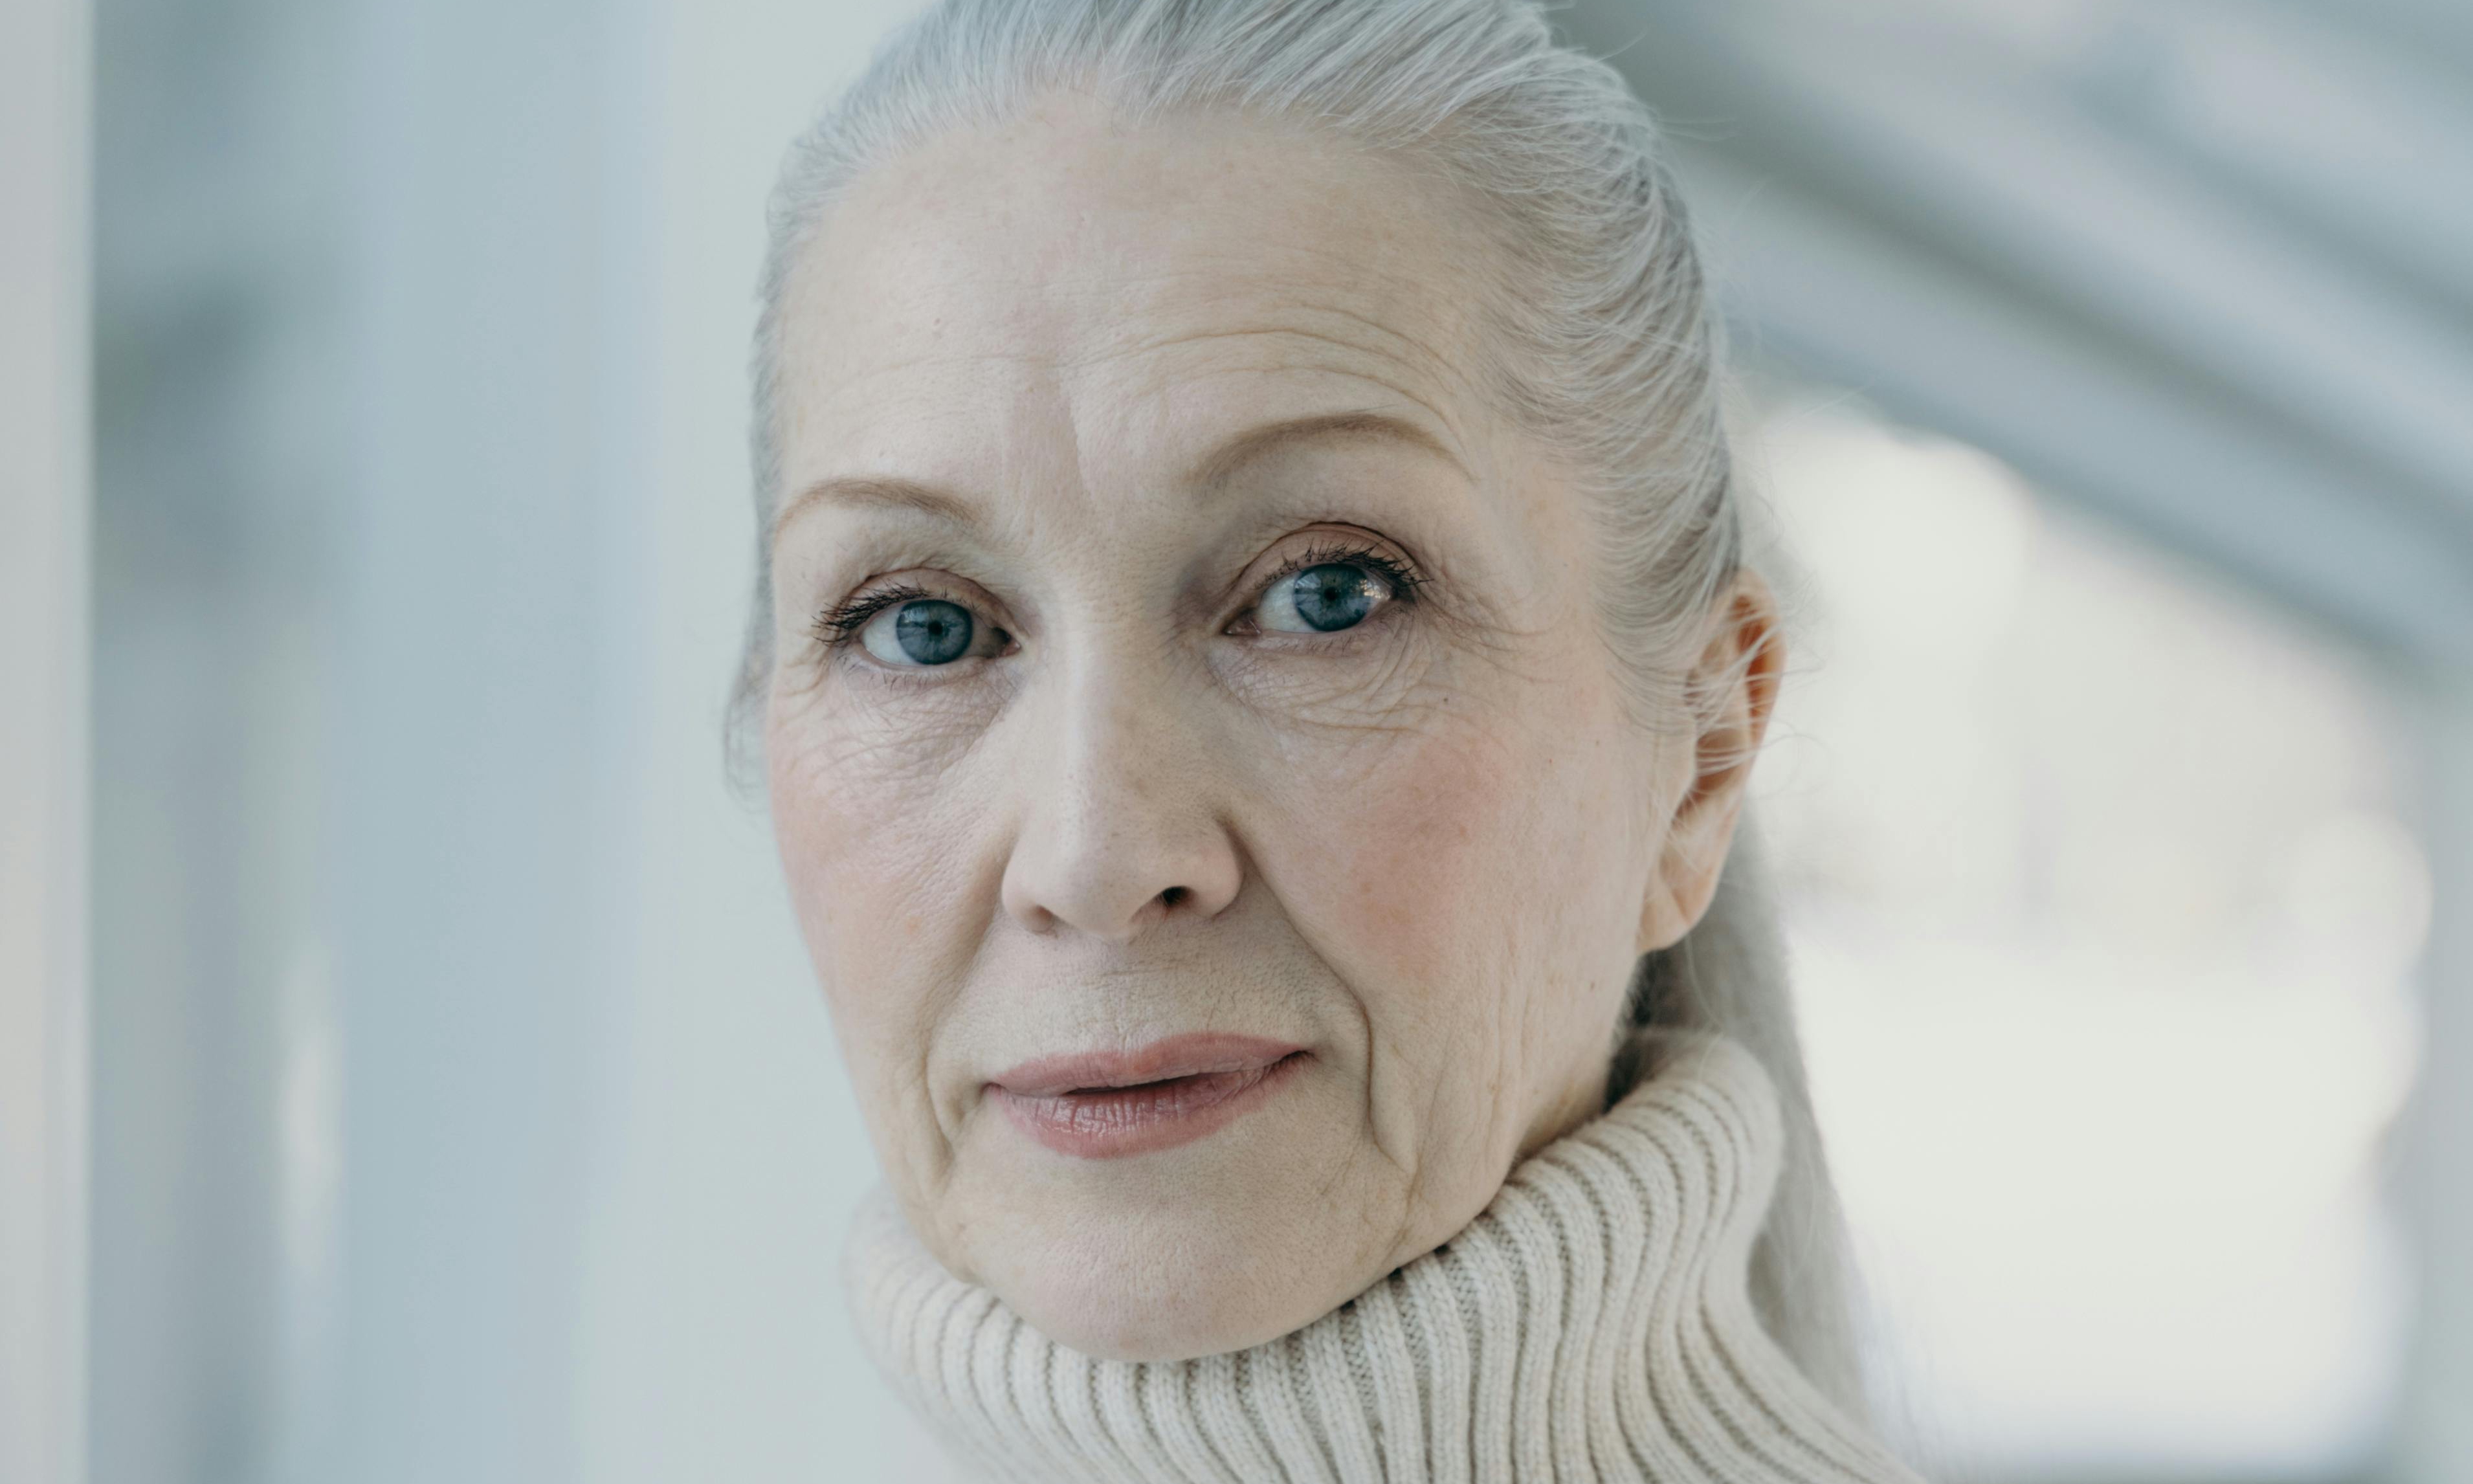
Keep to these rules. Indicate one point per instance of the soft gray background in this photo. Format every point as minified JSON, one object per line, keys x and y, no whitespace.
{"x":461,"y":1109}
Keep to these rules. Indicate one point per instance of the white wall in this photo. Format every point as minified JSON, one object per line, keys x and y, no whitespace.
{"x":2436,"y":1427}
{"x":715,"y":1337}
{"x":464,"y":1109}
{"x":597,"y":1149}
{"x":43,"y":523}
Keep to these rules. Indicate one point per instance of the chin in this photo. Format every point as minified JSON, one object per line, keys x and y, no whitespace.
{"x":1194,"y":1253}
{"x":1154,"y":1290}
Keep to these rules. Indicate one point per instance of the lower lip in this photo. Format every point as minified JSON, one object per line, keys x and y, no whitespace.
{"x":1110,"y":1123}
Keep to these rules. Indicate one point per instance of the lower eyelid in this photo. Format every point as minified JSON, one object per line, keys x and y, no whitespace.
{"x":852,"y":648}
{"x":1383,"y":617}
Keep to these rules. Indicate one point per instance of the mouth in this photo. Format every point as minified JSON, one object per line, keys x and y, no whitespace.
{"x":1105,"y":1105}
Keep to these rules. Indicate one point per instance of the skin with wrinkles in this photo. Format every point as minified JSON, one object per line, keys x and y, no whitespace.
{"x":1024,"y":369}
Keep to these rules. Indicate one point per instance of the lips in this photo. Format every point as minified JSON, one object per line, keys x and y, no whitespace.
{"x":1105,"y":1105}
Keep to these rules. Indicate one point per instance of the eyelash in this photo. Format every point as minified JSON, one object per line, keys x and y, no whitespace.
{"x":838,"y":627}
{"x":1397,"y":575}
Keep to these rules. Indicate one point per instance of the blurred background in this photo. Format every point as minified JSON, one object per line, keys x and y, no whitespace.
{"x":433,"y":1088}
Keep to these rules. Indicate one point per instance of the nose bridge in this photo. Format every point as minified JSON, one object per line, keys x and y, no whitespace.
{"x":1123,"y":825}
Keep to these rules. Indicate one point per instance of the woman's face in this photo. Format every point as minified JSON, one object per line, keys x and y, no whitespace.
{"x":1204,"y":788}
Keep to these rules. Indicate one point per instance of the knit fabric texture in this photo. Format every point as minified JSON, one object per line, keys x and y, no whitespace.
{"x":1593,"y":1324}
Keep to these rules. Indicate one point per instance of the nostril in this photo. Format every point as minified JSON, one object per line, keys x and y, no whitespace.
{"x":1174,"y":894}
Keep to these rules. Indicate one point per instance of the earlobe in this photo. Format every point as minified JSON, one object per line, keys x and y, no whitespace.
{"x":1687,"y":874}
{"x":1734,"y":689}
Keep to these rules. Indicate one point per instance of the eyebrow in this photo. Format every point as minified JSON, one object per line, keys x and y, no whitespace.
{"x":1255,"y":444}
{"x":1221,"y":464}
{"x":868,"y":492}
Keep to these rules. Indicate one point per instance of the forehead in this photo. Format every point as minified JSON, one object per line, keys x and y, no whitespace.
{"x":1138,"y":284}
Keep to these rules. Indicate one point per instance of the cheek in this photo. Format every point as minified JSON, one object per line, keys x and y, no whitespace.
{"x":870,"y":847}
{"x":1479,"y":883}
{"x":1449,"y":847}
{"x":1421,"y":835}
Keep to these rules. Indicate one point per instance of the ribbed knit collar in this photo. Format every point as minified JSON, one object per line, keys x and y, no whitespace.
{"x":1591,"y":1324}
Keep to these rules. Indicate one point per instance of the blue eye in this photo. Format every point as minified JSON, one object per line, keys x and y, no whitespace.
{"x":922,"y":631}
{"x":1322,"y":599}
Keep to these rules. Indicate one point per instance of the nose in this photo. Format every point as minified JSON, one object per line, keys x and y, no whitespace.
{"x":1121,"y":829}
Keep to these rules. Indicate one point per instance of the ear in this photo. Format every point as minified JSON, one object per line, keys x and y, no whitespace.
{"x":1733,"y":688}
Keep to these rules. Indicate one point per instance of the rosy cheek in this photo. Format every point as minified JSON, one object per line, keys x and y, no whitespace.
{"x":1422,"y":834}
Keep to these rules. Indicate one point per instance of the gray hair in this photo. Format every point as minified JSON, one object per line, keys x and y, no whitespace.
{"x":1605,"y":345}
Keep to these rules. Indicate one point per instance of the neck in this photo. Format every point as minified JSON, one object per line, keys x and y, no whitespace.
{"x":1591,"y":1324}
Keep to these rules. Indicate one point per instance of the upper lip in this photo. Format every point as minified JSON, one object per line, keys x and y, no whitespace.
{"x":1197,"y":1054}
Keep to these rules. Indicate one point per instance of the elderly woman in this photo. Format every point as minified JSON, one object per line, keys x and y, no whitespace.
{"x":1257,"y":669}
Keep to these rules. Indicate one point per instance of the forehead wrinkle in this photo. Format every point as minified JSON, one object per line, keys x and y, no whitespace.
{"x":1380,"y":312}
{"x":1123,"y":300}
{"x":1200,"y":336}
{"x":1129,"y":305}
{"x":1371,"y":366}
{"x":1085,"y":411}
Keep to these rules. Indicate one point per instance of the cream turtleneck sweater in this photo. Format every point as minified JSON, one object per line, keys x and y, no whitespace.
{"x":1593,"y":1324}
